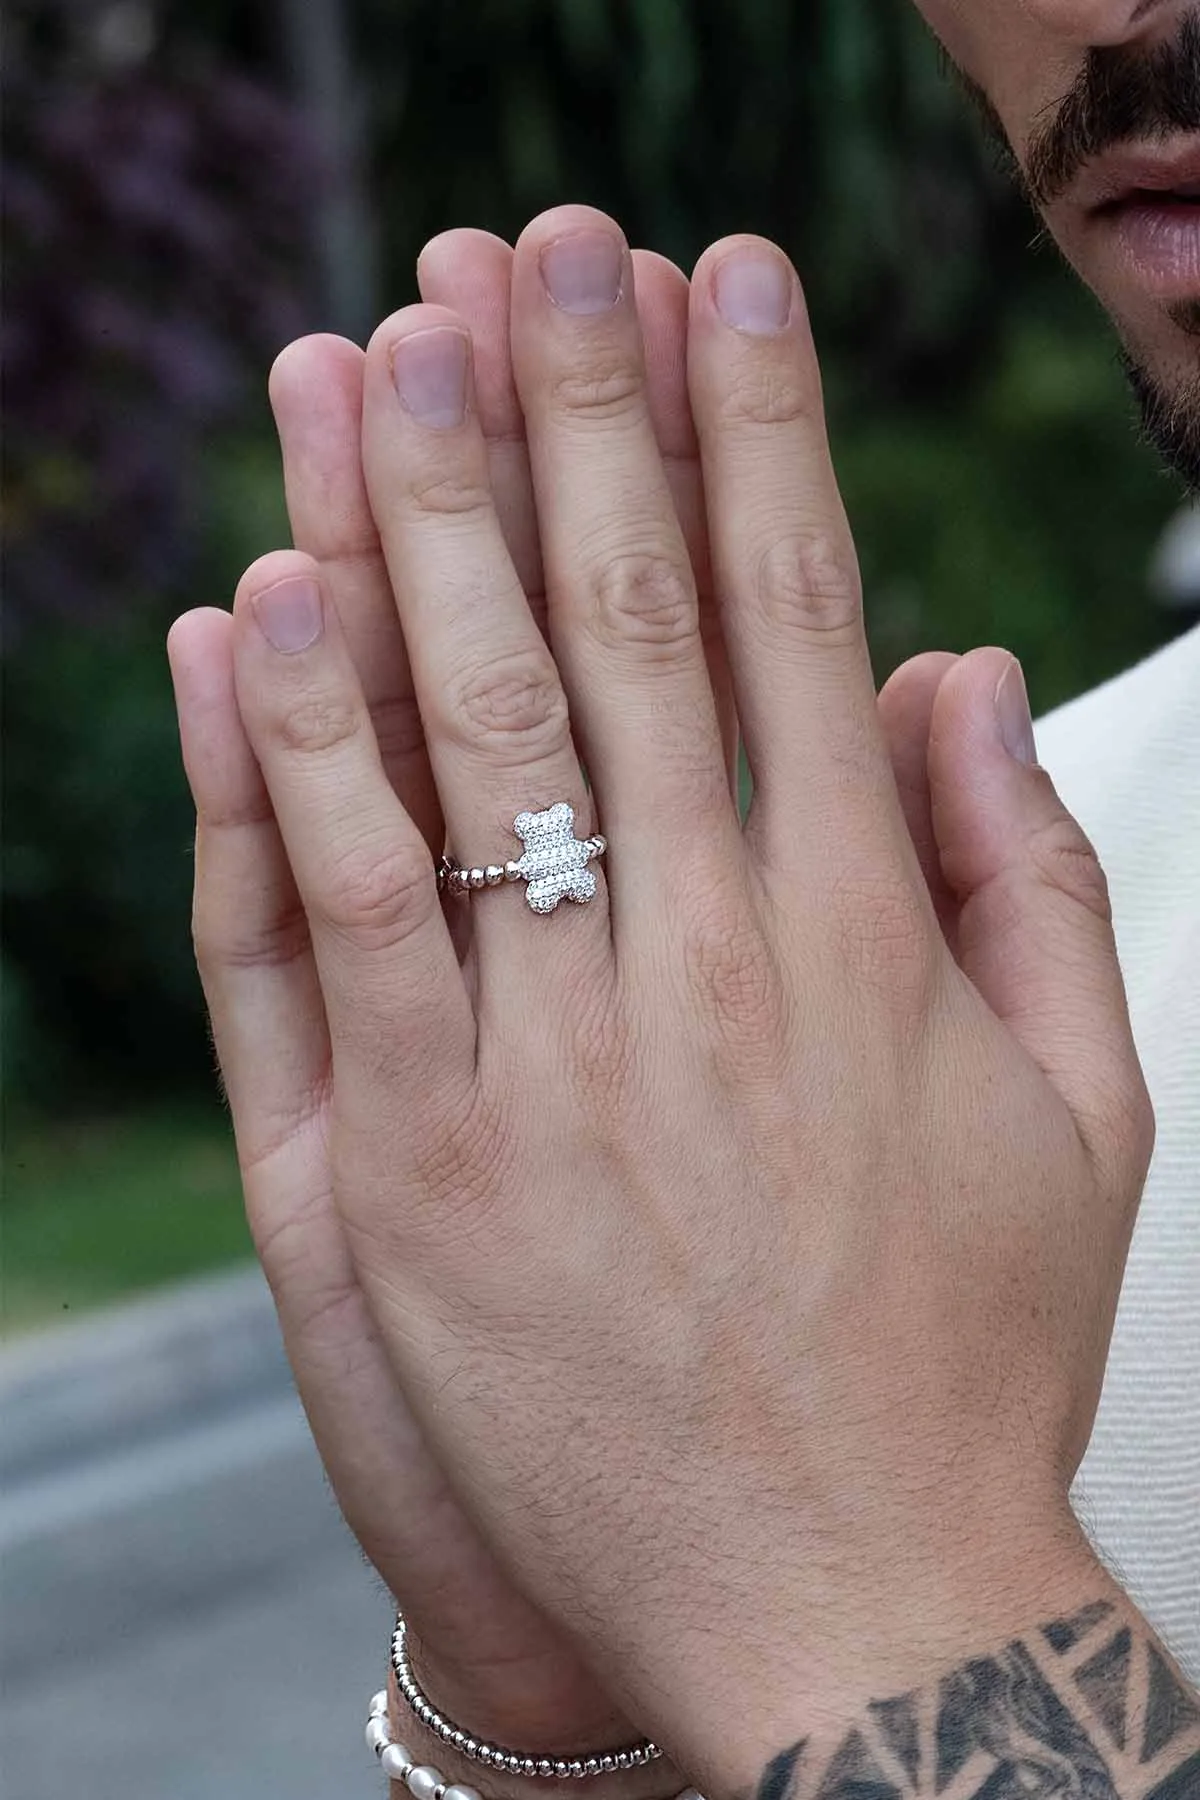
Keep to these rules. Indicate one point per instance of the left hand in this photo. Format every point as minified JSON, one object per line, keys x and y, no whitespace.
{"x":749,"y":1260}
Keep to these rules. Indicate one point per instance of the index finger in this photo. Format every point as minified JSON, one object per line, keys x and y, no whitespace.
{"x":786,"y":571}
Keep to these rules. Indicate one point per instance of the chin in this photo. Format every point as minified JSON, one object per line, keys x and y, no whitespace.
{"x":1168,"y":398}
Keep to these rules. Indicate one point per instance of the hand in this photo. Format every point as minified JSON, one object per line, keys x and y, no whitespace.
{"x":486,"y":1648}
{"x":761,"y":1055}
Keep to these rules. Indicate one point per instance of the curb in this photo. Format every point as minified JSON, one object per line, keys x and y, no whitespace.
{"x":148,"y":1367}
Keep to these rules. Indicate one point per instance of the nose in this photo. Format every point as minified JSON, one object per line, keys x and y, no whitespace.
{"x":1095,"y":24}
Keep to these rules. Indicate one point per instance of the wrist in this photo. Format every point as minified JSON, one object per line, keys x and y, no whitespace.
{"x":543,"y":1710}
{"x":837,"y":1671}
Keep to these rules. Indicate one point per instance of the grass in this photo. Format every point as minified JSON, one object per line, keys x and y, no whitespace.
{"x":95,"y":1210}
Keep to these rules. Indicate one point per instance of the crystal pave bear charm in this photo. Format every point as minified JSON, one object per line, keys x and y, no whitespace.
{"x":555,"y":863}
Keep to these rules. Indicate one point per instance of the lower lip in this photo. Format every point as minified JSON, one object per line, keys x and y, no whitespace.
{"x":1161,"y":239}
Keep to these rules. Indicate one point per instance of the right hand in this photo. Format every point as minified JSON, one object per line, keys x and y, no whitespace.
{"x":489,"y":1656}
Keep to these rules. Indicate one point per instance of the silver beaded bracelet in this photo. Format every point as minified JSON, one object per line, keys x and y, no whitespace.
{"x":495,"y":1756}
{"x":422,"y":1780}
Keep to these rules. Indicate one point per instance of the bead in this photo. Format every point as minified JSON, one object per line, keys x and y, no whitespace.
{"x":545,"y":1766}
{"x":459,"y":1740}
{"x":608,"y":1764}
{"x":592,"y":1765}
{"x":575,"y":1767}
{"x":514,"y":1763}
{"x":624,"y":1760}
{"x":423,"y":1782}
{"x":396,"y":1761}
{"x":477,"y":878}
{"x":379,"y":1704}
{"x":457,"y":1791}
{"x":377,"y":1734}
{"x":513,"y":872}
{"x":529,"y":1766}
{"x":494,"y":874}
{"x":471,"y":1748}
{"x":562,"y":1770}
{"x":691,"y":1794}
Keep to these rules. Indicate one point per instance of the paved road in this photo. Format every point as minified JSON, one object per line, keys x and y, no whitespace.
{"x":183,"y":1615}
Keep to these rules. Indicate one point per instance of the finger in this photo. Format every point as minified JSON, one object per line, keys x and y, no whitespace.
{"x":316,"y":396}
{"x":661,"y":289}
{"x":624,"y":614}
{"x":268,"y":1022}
{"x":787,"y":575}
{"x":363,"y":871}
{"x":470,"y":274}
{"x":494,"y":708}
{"x":906,"y":704}
{"x":1035,"y":929}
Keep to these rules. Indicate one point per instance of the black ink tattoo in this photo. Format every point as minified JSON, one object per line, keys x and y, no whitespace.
{"x":779,"y":1773}
{"x":1087,"y":1709}
{"x":1104,"y":1682}
{"x":1169,"y":1710}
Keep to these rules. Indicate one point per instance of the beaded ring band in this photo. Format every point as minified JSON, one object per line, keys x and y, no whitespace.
{"x":422,"y":1780}
{"x":496,"y":1756}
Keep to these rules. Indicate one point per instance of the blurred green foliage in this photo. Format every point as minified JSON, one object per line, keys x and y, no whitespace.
{"x":100,"y":1208}
{"x":979,"y":420}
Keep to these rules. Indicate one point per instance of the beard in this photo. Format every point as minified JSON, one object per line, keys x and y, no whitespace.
{"x":1170,"y":419}
{"x":1121,"y":93}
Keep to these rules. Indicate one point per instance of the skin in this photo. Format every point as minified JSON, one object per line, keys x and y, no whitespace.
{"x":1024,"y":56}
{"x":955,"y":886}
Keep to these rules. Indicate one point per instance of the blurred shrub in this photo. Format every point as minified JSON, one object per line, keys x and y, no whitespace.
{"x":154,"y":224}
{"x":155,"y":229}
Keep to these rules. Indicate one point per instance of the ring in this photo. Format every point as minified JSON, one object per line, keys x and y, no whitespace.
{"x":554,"y":864}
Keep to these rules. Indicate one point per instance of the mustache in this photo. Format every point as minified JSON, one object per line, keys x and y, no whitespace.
{"x":1122,"y":94}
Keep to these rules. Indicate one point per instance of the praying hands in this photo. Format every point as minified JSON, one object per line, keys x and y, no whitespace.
{"x":700,"y":1290}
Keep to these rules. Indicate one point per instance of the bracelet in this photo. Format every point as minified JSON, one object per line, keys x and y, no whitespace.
{"x":495,"y":1756}
{"x":422,"y":1780}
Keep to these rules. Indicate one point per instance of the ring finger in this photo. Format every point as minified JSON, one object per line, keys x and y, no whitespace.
{"x":493,"y":707}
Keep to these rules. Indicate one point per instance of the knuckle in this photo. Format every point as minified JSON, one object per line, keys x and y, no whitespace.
{"x":224,"y":940}
{"x":514,"y":707}
{"x":646,"y":599}
{"x":449,"y":493}
{"x":885,"y":937}
{"x":320,"y":722}
{"x":382,"y":894}
{"x":1143,"y":1126}
{"x":731,"y":972}
{"x":808,"y":581}
{"x":399,"y":732}
{"x":600,"y":391}
{"x":463,"y":1159}
{"x":768,"y":394}
{"x":1063,"y":857}
{"x":600,"y":1053}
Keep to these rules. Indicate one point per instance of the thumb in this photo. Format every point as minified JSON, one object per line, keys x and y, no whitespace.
{"x":1035,"y":931}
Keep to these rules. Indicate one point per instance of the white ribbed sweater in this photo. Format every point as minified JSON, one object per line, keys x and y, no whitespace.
{"x":1126,"y":760}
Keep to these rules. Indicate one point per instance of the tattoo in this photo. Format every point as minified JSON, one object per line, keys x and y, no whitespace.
{"x":1087,"y":1709}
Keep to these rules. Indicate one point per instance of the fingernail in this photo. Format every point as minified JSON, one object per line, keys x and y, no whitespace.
{"x":289,"y":614}
{"x":583,"y":273}
{"x":753,"y":291}
{"x":1014,"y":717}
{"x":430,"y":372}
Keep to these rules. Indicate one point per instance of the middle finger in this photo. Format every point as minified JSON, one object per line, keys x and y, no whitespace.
{"x":622,"y":603}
